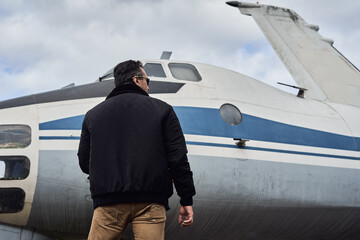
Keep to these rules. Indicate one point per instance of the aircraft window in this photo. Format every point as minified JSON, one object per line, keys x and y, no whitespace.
{"x":2,"y":169}
{"x":184,"y":71}
{"x":11,"y":200}
{"x":14,"y":136}
{"x":230,"y":114}
{"x":154,"y":70}
{"x":14,"y":167}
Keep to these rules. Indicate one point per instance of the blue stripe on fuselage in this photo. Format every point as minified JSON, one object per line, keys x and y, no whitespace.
{"x":70,"y":123}
{"x":208,"y":122}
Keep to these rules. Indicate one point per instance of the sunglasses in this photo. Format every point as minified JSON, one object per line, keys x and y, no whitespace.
{"x":146,"y":78}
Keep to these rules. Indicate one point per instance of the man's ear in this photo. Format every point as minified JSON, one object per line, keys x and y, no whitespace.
{"x":136,"y":81}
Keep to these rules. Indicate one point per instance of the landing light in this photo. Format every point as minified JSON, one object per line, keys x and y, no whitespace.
{"x":230,"y":114}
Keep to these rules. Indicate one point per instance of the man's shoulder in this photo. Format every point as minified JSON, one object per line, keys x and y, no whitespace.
{"x":160,"y":103}
{"x":94,"y":110}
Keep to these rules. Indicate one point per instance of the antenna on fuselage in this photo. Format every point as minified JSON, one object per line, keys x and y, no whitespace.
{"x":166,"y":55}
{"x":301,"y":92}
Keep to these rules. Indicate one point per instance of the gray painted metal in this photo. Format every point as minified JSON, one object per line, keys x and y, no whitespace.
{"x":166,"y":55}
{"x":8,"y":232}
{"x":62,"y":201}
{"x":92,"y":90}
{"x":236,"y":199}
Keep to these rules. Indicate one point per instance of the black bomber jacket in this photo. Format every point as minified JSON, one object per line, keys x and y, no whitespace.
{"x":133,"y":148}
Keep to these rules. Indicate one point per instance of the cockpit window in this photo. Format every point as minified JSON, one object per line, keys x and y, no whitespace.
{"x":184,"y":71}
{"x":14,"y":167}
{"x":15,"y":136}
{"x":154,"y":70}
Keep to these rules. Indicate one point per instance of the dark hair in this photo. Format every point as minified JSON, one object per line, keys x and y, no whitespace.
{"x":124,"y":71}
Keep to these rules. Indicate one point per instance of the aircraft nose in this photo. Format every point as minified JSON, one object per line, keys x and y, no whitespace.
{"x":19,"y":144}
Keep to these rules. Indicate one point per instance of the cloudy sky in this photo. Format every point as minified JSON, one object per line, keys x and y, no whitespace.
{"x":48,"y":44}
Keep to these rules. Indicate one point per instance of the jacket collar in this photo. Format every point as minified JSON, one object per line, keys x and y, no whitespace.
{"x":126,"y":88}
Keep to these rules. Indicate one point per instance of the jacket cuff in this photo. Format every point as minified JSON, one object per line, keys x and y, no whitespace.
{"x":186,"y":201}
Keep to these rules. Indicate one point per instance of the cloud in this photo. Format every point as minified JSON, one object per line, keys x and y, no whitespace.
{"x":46,"y":45}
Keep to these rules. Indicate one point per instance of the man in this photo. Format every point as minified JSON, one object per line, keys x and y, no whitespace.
{"x":133,"y":148}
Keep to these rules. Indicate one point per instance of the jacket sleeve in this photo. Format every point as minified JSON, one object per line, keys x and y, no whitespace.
{"x":84,"y":148}
{"x":175,"y":148}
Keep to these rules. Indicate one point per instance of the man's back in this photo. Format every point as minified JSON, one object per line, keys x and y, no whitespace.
{"x":132,"y":147}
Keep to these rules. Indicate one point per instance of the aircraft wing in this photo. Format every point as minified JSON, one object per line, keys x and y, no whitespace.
{"x":310,"y":58}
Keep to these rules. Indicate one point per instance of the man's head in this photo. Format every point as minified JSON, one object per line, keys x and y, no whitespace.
{"x":131,"y":72}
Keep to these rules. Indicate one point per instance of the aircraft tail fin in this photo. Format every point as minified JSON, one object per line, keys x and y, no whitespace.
{"x":310,"y":58}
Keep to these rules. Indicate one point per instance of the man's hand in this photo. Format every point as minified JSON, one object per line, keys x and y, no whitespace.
{"x":186,"y":216}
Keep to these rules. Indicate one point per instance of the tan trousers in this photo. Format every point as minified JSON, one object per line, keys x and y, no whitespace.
{"x":147,"y":219}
